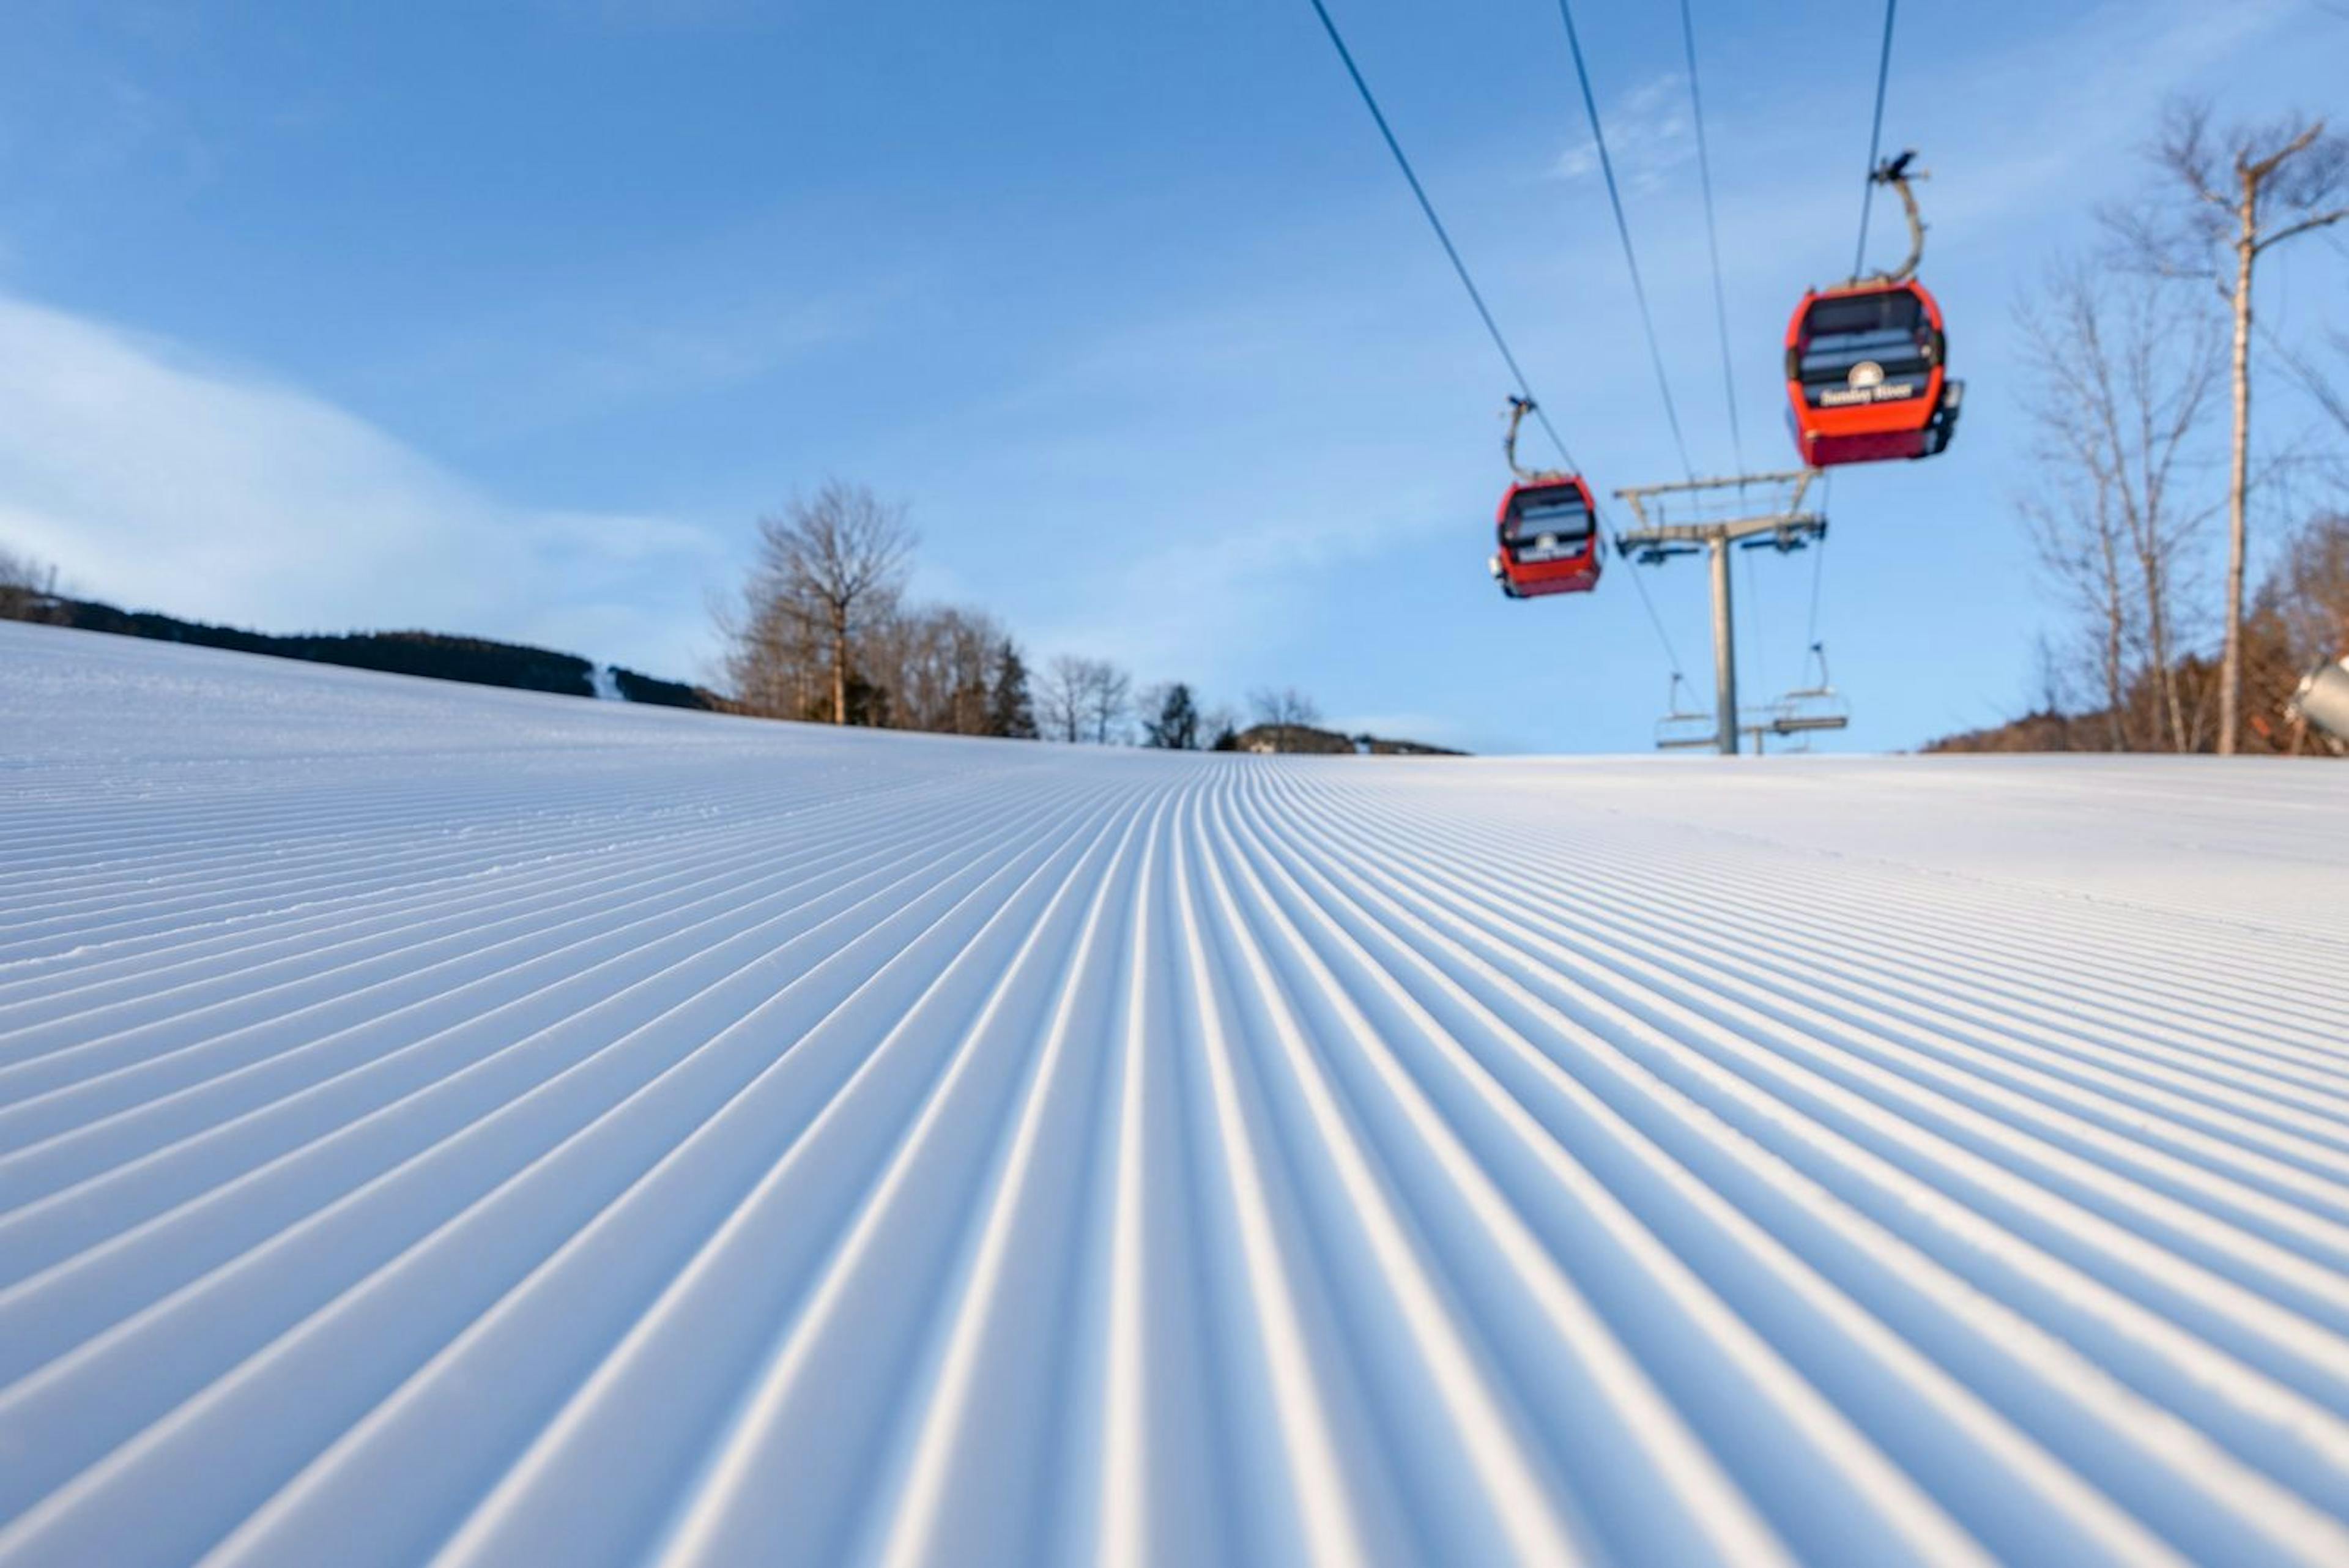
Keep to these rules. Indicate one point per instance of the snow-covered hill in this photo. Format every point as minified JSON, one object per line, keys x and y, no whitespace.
{"x":442,"y":1123}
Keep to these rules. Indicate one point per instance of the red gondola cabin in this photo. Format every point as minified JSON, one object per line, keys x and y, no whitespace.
{"x":1549,"y":533}
{"x":1866,"y":375}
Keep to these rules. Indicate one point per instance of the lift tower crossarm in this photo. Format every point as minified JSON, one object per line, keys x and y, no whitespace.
{"x":1793,"y":528}
{"x":1655,"y":540}
{"x":1637,"y":495}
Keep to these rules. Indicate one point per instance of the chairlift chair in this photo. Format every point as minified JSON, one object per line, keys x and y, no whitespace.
{"x":1683,"y":728}
{"x":1817,"y":706}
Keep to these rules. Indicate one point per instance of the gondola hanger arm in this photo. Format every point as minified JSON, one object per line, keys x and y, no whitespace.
{"x":1518,"y":409}
{"x":1897,"y":173}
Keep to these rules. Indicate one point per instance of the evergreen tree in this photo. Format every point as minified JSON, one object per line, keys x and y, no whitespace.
{"x":1176,"y":726}
{"x":1010,"y":711}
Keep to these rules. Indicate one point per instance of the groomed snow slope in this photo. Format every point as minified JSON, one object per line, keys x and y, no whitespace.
{"x":460,"y":1124}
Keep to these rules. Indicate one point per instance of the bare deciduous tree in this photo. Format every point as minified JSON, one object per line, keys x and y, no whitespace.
{"x":2123,"y":375}
{"x":1287,"y":706}
{"x":2051,"y":691}
{"x":937,"y":664}
{"x":2330,"y":399}
{"x":1061,"y":699}
{"x":775,"y":662}
{"x":2310,"y":590}
{"x":27,"y":588}
{"x":2078,"y":539}
{"x":1109,"y":693}
{"x":828,"y":564}
{"x":2235,"y":196}
{"x":2299,"y":616}
{"x":1083,"y":699}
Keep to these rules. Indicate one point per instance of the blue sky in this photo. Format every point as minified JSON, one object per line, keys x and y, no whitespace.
{"x":512,"y":319}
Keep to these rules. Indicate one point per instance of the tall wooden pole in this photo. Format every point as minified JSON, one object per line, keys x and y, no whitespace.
{"x":2230,"y":661}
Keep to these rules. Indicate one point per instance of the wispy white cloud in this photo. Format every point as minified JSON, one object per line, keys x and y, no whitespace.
{"x":1650,"y":133}
{"x":548,"y":364}
{"x":1213,"y":561}
{"x":154,"y":479}
{"x":1237,"y":586}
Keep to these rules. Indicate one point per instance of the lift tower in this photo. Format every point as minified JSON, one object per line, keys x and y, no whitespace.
{"x":1658,"y":537}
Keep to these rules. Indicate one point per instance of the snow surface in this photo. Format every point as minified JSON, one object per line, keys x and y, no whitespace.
{"x":441,"y":1122}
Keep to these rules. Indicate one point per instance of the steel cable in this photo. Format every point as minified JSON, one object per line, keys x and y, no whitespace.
{"x":1623,"y":232}
{"x":1483,"y":311}
{"x":1859,"y":261}
{"x":1875,"y":137}
{"x":1711,"y":239}
{"x":1442,"y":236}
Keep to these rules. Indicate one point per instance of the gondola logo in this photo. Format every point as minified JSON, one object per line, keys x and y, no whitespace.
{"x":1865,"y":383}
